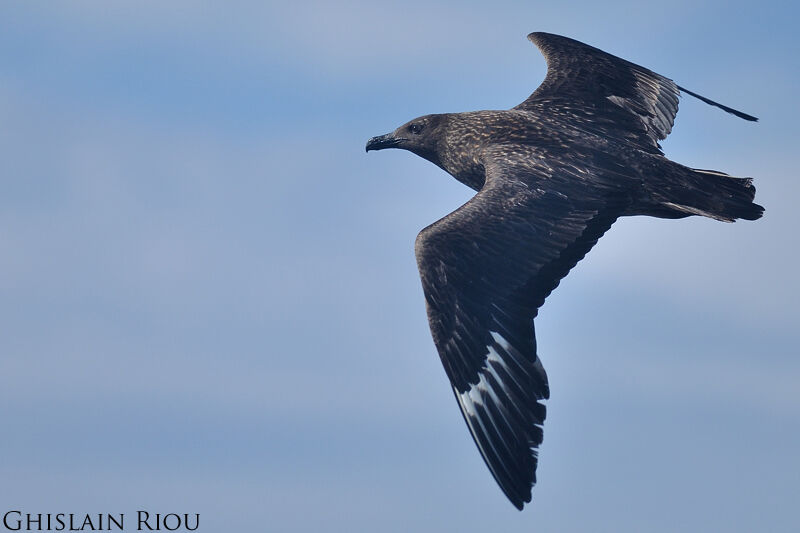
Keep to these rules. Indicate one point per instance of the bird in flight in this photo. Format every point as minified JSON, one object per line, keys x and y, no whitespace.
{"x":552,"y":175}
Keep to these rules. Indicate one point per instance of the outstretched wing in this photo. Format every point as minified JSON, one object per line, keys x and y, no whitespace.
{"x":617,"y":91}
{"x":607,"y":94}
{"x":486,"y":268}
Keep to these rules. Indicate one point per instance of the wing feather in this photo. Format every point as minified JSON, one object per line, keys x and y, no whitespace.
{"x":486,"y":268}
{"x":579,"y":75}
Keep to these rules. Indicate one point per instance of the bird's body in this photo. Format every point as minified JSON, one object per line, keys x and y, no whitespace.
{"x":552,"y":175}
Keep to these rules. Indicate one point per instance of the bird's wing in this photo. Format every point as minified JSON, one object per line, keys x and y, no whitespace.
{"x":613,"y":92}
{"x":486,"y":268}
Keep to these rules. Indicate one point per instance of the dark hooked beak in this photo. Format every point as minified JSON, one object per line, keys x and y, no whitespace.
{"x":383,"y":141}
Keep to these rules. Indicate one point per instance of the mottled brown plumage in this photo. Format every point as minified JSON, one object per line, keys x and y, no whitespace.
{"x":552,"y":175}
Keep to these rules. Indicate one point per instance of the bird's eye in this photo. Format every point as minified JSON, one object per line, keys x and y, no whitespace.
{"x":415,"y":128}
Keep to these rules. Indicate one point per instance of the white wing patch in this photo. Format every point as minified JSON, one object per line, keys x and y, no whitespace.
{"x":474,"y":400}
{"x":660,"y":96}
{"x":499,"y":338}
{"x":477,"y":392}
{"x":502,"y":412}
{"x":489,"y":409}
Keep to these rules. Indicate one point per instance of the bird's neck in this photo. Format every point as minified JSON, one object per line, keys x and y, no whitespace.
{"x":462,"y":147}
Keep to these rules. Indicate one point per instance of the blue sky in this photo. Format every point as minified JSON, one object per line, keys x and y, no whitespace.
{"x":209,"y":300}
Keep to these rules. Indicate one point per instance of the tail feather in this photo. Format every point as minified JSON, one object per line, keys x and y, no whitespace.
{"x":709,"y":193}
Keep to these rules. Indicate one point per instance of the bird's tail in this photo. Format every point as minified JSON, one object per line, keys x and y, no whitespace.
{"x":680,"y":191}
